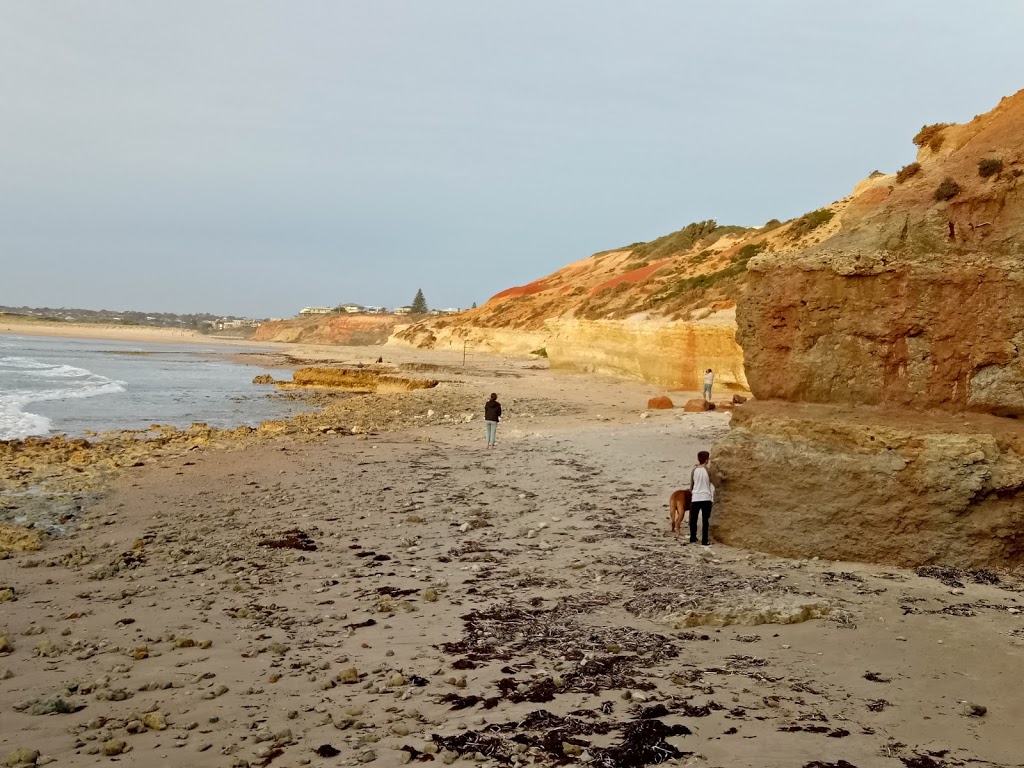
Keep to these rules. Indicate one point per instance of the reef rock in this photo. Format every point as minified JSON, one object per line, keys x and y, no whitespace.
{"x":661,"y":403}
{"x":353,"y":380}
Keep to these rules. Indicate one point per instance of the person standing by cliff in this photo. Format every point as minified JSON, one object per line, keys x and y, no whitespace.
{"x":492,"y":415}
{"x":702,"y":489}
{"x":709,"y":382}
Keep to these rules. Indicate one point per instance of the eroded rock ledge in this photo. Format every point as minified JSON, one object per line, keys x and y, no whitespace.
{"x":884,"y":486}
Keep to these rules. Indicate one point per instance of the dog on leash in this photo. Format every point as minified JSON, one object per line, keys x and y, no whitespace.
{"x":678,"y":507}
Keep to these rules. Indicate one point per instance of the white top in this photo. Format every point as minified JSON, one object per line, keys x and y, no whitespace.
{"x":709,"y":379}
{"x":702,"y":489}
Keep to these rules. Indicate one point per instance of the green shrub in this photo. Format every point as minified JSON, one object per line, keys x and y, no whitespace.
{"x":947,"y":190}
{"x":747,"y":252}
{"x":771,"y":224}
{"x":931,"y":136}
{"x":809,"y":222}
{"x":682,"y":240}
{"x":542,"y":352}
{"x":990,"y":166}
{"x":907,"y":172}
{"x":700,"y":258}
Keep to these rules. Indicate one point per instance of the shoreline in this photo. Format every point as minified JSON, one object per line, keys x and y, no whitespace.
{"x":113,"y":332}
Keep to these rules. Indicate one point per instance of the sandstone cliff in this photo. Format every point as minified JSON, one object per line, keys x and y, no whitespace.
{"x":908,"y":315}
{"x":658,"y":311}
{"x":918,"y":299}
{"x":348,"y":330}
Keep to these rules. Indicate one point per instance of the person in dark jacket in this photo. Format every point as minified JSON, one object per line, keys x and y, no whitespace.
{"x":492,"y":415}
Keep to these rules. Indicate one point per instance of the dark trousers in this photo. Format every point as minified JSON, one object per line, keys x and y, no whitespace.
{"x":696,"y":508}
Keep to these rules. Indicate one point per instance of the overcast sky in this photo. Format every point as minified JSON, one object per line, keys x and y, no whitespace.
{"x":249,"y":157}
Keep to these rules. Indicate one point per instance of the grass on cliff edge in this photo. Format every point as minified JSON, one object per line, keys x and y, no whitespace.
{"x":682,"y":240}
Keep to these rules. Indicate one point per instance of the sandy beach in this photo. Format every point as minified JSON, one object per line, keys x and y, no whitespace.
{"x":19,"y":327}
{"x":403,"y":595}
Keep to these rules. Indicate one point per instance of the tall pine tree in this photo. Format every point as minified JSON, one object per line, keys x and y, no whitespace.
{"x":419,"y":304}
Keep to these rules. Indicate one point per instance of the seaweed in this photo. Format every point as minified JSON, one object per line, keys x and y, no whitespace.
{"x":293,"y":539}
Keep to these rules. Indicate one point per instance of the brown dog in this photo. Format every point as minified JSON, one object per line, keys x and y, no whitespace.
{"x":678,"y":506}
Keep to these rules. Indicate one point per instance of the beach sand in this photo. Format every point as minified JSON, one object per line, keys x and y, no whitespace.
{"x":515,"y":606}
{"x":139,"y":333}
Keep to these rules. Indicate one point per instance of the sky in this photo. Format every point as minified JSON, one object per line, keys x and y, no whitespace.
{"x":250,"y":158}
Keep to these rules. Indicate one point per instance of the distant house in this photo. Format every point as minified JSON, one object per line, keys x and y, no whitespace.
{"x":403,"y":310}
{"x":375,"y":310}
{"x":449,"y":311}
{"x":308,"y":311}
{"x":352,"y":309}
{"x":227,"y":324}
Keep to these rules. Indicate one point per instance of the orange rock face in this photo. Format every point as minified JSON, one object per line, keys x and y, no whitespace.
{"x":868,"y":353}
{"x":916,"y":301}
{"x":659,"y":403}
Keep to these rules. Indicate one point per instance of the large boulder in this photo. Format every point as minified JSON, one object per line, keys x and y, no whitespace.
{"x":698,"y":405}
{"x":659,"y":403}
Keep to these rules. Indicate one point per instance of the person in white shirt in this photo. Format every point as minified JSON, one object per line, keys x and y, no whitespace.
{"x":709,"y":382}
{"x":702,"y":490}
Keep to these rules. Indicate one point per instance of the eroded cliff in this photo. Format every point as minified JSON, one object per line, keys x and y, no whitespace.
{"x":348,"y":330}
{"x":639,"y":311}
{"x":907,"y":317}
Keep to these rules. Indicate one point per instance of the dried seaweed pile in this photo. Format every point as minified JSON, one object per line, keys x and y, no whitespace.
{"x":503,"y":631}
{"x":665,"y":570}
{"x":542,"y":736}
{"x":954,"y":577}
{"x":293,"y":539}
{"x":687,"y":586}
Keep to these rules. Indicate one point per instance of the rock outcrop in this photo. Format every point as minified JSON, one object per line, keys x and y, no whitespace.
{"x":867,"y":484}
{"x":910,"y":313}
{"x":352,"y":380}
{"x":347,"y":330}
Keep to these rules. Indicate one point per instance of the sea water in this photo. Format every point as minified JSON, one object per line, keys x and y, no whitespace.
{"x":71,"y":386}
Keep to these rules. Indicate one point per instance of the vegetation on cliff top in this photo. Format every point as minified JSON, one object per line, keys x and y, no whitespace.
{"x":810,"y":221}
{"x":684,"y":239}
{"x":907,"y":172}
{"x":931,"y":136}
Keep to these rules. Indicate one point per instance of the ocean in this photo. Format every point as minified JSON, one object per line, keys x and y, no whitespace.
{"x":72,"y":386}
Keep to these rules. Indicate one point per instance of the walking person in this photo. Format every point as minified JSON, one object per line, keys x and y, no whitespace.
{"x":492,"y":415}
{"x":709,"y":382}
{"x":702,"y":489}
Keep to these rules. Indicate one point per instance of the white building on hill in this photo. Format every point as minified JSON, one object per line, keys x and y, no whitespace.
{"x":307,"y":311}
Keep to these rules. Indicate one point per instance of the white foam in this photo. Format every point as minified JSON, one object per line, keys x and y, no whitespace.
{"x":78,"y":383}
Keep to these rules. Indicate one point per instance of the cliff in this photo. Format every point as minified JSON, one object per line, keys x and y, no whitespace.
{"x":348,"y":330}
{"x":872,"y":345}
{"x":657,"y":310}
{"x":918,"y":301}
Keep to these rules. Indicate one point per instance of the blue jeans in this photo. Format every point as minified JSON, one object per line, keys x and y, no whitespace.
{"x":707,"y":391}
{"x":492,"y":432}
